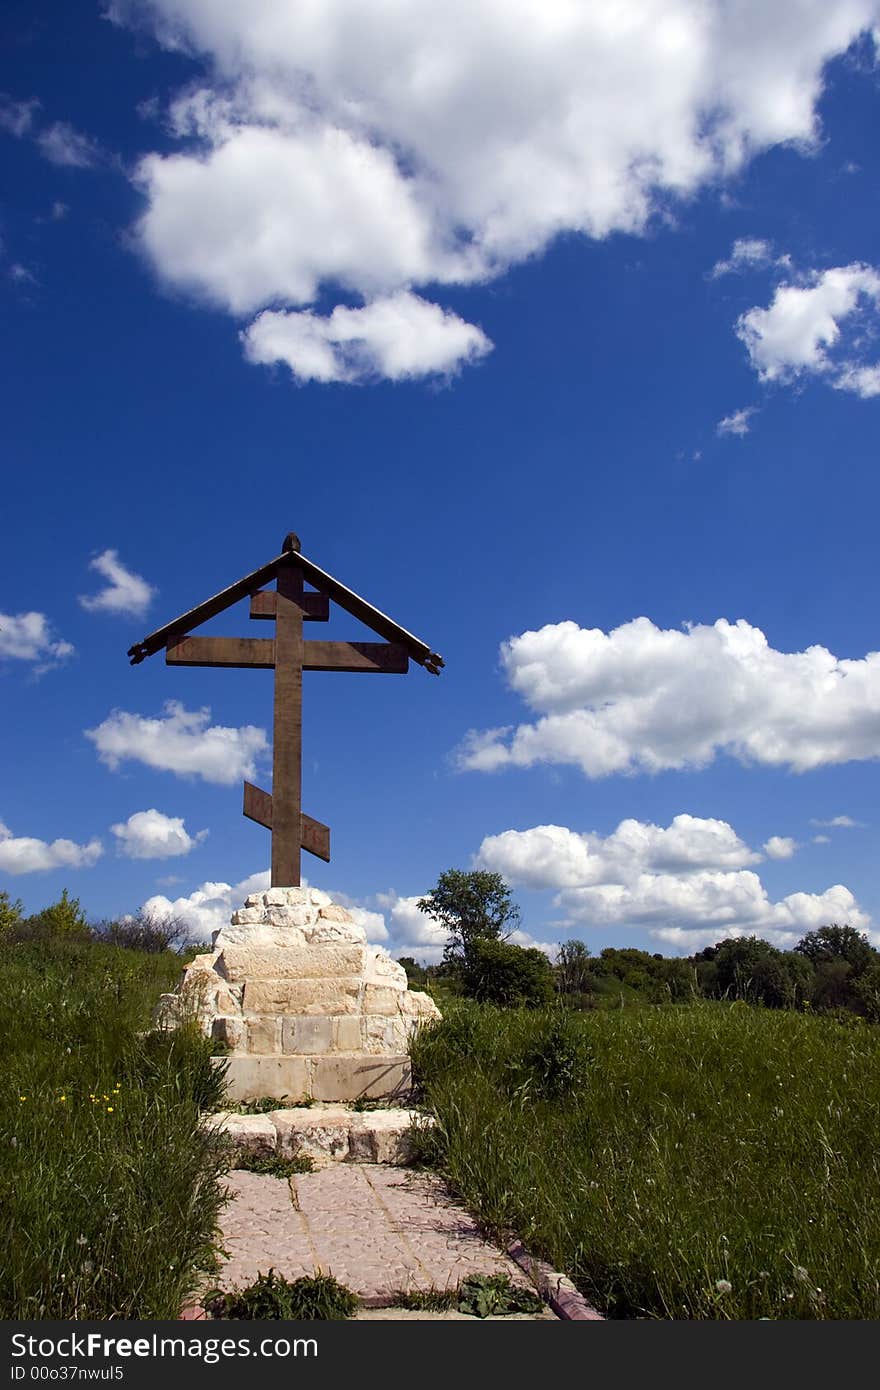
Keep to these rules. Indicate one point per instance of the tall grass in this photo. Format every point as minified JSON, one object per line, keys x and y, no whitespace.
{"x":706,"y":1161}
{"x":109,"y":1188}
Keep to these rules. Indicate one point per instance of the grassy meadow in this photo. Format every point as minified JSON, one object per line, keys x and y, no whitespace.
{"x":109,"y":1189}
{"x":708,"y":1160}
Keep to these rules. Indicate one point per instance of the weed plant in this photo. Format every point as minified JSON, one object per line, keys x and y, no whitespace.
{"x":273,"y":1164}
{"x":311,"y":1298}
{"x":109,"y":1184}
{"x":698,"y":1161}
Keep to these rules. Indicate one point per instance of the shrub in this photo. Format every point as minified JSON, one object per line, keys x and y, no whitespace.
{"x":144,"y":932}
{"x":497,"y":972}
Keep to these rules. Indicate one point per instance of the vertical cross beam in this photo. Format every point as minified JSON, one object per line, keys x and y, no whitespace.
{"x":287,"y":730}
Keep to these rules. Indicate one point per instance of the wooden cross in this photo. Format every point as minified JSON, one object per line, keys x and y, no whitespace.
{"x":289,"y":605}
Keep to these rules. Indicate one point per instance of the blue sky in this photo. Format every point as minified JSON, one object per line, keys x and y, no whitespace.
{"x":551,"y":332}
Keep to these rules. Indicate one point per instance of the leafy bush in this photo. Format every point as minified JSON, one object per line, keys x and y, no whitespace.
{"x":497,"y":972}
{"x":143,"y":932}
{"x":311,"y":1298}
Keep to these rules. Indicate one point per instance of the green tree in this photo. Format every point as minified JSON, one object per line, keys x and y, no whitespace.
{"x":473,"y":906}
{"x":497,"y":972}
{"x":574,"y":968}
{"x":10,"y":914}
{"x":838,"y":943}
{"x":62,"y":919}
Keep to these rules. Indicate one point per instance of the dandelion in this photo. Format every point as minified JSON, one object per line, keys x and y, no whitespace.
{"x":81,"y":1240}
{"x":62,"y":1097}
{"x":109,"y":1109}
{"x":723,"y":1285}
{"x":22,"y":1097}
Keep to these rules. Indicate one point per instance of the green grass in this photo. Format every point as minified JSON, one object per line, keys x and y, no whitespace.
{"x":309,"y":1298}
{"x":705,"y":1161}
{"x":109,"y":1185}
{"x":480,"y":1295}
{"x":272,"y":1164}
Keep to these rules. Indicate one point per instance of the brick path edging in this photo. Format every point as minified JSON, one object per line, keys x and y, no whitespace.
{"x":555,"y":1288}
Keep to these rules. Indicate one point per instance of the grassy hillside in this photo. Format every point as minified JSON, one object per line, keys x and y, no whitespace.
{"x":108,"y":1188}
{"x":700,"y":1161}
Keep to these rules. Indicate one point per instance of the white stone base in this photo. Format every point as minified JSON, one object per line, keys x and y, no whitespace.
{"x":325,"y":1134}
{"x":306,"y":1007}
{"x":340,"y":1077}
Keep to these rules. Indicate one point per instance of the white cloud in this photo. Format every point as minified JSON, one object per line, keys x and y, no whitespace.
{"x":748,"y":253}
{"x":210,"y":906}
{"x":16,"y":117}
{"x":125,"y":592}
{"x":645,"y":699}
{"x":23,"y":855}
{"x":396,"y":338}
{"x":61,"y":144}
{"x":792,"y":338}
{"x":780,"y":847}
{"x":28,"y":637}
{"x":383,"y":147}
{"x":737,"y":423}
{"x":840,"y":823}
{"x":686,"y":883}
{"x":152,"y":835}
{"x":183,"y":742}
{"x":821,"y":839}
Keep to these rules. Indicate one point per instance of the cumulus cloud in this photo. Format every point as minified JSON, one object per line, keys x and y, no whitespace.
{"x":645,"y":699}
{"x":748,"y":253}
{"x":24,"y":855}
{"x":183,"y":741}
{"x":125,"y":592}
{"x":738,"y":423}
{"x":209,"y":907}
{"x":61,"y":144}
{"x":395,"y":338}
{"x":780,"y":847}
{"x":686,"y":883}
{"x":799,"y":334}
{"x":28,"y":637}
{"x":374,"y":149}
{"x":152,"y":835}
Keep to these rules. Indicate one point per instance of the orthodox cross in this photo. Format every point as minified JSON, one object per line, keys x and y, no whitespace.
{"x":288,"y":606}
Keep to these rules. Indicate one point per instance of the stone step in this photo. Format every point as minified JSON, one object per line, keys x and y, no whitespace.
{"x":339,"y":1076}
{"x":325,"y":1133}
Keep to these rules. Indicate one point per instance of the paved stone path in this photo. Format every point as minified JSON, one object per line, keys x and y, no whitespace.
{"x":379,"y":1229}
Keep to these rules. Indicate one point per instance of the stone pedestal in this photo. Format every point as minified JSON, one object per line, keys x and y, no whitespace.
{"x":307,"y":1009}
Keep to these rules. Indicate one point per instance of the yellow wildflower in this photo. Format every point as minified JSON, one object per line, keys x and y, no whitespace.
{"x":109,"y":1109}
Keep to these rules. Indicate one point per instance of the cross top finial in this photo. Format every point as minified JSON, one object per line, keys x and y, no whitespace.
{"x":291,"y":542}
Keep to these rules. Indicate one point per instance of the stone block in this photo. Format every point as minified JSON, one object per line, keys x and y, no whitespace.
{"x":380,"y":1000}
{"x":308,"y":1034}
{"x":319,"y":898}
{"x":350,"y":1077}
{"x":382,"y":1136}
{"x":332,"y":912}
{"x":320,"y":1132}
{"x":253,"y":1078}
{"x":291,"y":962}
{"x":246,"y":915}
{"x":253,"y":1134}
{"x":228,"y":1030}
{"x":347,"y":1037}
{"x":264,"y":1035}
{"x":296,"y":916}
{"x":259,"y":935}
{"x":334,"y":996}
